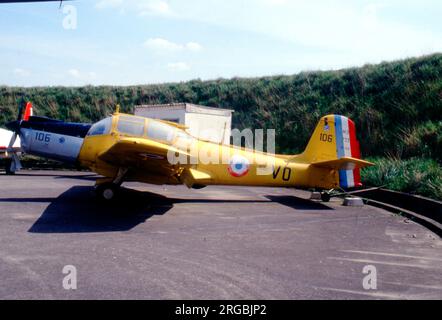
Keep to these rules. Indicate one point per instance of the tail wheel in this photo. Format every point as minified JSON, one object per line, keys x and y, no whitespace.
{"x":107,"y":191}
{"x":325,"y":197}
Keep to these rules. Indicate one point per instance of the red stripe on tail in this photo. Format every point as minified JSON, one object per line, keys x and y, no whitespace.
{"x":355,"y":151}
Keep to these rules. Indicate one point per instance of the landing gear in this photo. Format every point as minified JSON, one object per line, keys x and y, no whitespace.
{"x":107,"y":191}
{"x":8,"y":170}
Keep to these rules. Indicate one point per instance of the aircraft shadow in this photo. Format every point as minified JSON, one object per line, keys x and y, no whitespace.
{"x":298,"y":203}
{"x":87,"y":177}
{"x":78,"y":211}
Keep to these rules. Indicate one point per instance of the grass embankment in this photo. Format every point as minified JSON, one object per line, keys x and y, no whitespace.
{"x":416,"y":176}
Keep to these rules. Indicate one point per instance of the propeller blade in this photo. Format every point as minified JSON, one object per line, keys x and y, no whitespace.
{"x":15,"y":125}
{"x":11,"y":144}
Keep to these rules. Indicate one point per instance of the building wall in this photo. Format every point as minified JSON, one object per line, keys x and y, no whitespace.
{"x":206,"y":123}
{"x":209,"y":127}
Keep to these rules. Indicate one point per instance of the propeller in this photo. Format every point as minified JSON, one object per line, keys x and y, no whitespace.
{"x":15,"y":126}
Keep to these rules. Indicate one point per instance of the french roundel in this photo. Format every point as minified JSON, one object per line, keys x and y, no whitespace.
{"x":239,"y":166}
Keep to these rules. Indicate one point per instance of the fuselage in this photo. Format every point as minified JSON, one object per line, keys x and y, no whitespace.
{"x":53,"y":139}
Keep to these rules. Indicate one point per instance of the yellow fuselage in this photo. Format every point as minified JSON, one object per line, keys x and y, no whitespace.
{"x":262,"y":169}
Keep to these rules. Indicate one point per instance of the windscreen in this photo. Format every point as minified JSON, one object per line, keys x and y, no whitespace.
{"x":101,"y":127}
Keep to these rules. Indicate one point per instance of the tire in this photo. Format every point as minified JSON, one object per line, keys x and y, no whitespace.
{"x":325,"y":197}
{"x":8,"y":167}
{"x":107,"y":191}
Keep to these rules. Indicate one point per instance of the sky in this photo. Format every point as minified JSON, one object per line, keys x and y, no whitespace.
{"x":129,"y":42}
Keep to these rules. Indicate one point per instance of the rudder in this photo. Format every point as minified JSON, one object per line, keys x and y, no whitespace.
{"x":335,"y":138}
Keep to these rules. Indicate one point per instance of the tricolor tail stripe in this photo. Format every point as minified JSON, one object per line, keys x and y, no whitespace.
{"x":347,"y":146}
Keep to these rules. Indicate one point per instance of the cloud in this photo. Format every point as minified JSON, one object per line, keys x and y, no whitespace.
{"x":275,"y":2}
{"x":83,"y":76}
{"x":142,"y":8}
{"x":154,"y":7}
{"x":74,"y":73}
{"x":163,"y":45}
{"x":103,"y":4}
{"x":193,"y":46}
{"x":178,"y":66}
{"x":19,"y":72}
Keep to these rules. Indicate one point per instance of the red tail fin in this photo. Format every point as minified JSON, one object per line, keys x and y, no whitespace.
{"x":28,"y":111}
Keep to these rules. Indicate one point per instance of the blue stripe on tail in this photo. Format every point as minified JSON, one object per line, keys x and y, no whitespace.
{"x":343,"y":179}
{"x":340,"y":150}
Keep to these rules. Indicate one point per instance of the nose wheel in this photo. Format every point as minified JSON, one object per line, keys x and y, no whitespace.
{"x":107,"y":191}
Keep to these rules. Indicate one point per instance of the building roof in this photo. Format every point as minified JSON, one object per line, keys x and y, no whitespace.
{"x":188,"y":107}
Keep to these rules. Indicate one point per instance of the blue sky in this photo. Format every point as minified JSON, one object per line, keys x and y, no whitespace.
{"x":126,"y":42}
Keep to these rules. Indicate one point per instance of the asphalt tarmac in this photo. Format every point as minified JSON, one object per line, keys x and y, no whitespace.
{"x":216,"y":243}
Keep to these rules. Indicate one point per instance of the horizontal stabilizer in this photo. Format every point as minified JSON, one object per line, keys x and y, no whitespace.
{"x":345,"y":163}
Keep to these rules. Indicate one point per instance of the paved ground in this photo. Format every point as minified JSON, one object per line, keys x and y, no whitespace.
{"x":215,"y":243}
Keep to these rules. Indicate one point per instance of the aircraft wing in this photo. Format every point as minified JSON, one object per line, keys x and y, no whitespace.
{"x":141,"y":153}
{"x":346,"y":163}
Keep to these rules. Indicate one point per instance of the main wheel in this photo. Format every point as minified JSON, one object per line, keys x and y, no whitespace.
{"x":8,"y":167}
{"x":325,"y":197}
{"x":107,"y":191}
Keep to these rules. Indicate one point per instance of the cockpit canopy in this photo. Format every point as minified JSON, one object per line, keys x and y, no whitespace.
{"x":133,"y":126}
{"x":101,"y":127}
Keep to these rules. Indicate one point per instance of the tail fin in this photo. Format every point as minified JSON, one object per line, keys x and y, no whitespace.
{"x":335,"y":138}
{"x":28,"y":111}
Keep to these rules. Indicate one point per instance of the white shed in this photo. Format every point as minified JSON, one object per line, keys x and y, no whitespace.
{"x":213,"y":124}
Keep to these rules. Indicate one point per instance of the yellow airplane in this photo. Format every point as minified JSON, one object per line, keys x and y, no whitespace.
{"x":124,"y":147}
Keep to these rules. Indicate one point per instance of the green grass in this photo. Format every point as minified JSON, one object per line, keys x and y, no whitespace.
{"x":416,"y":176}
